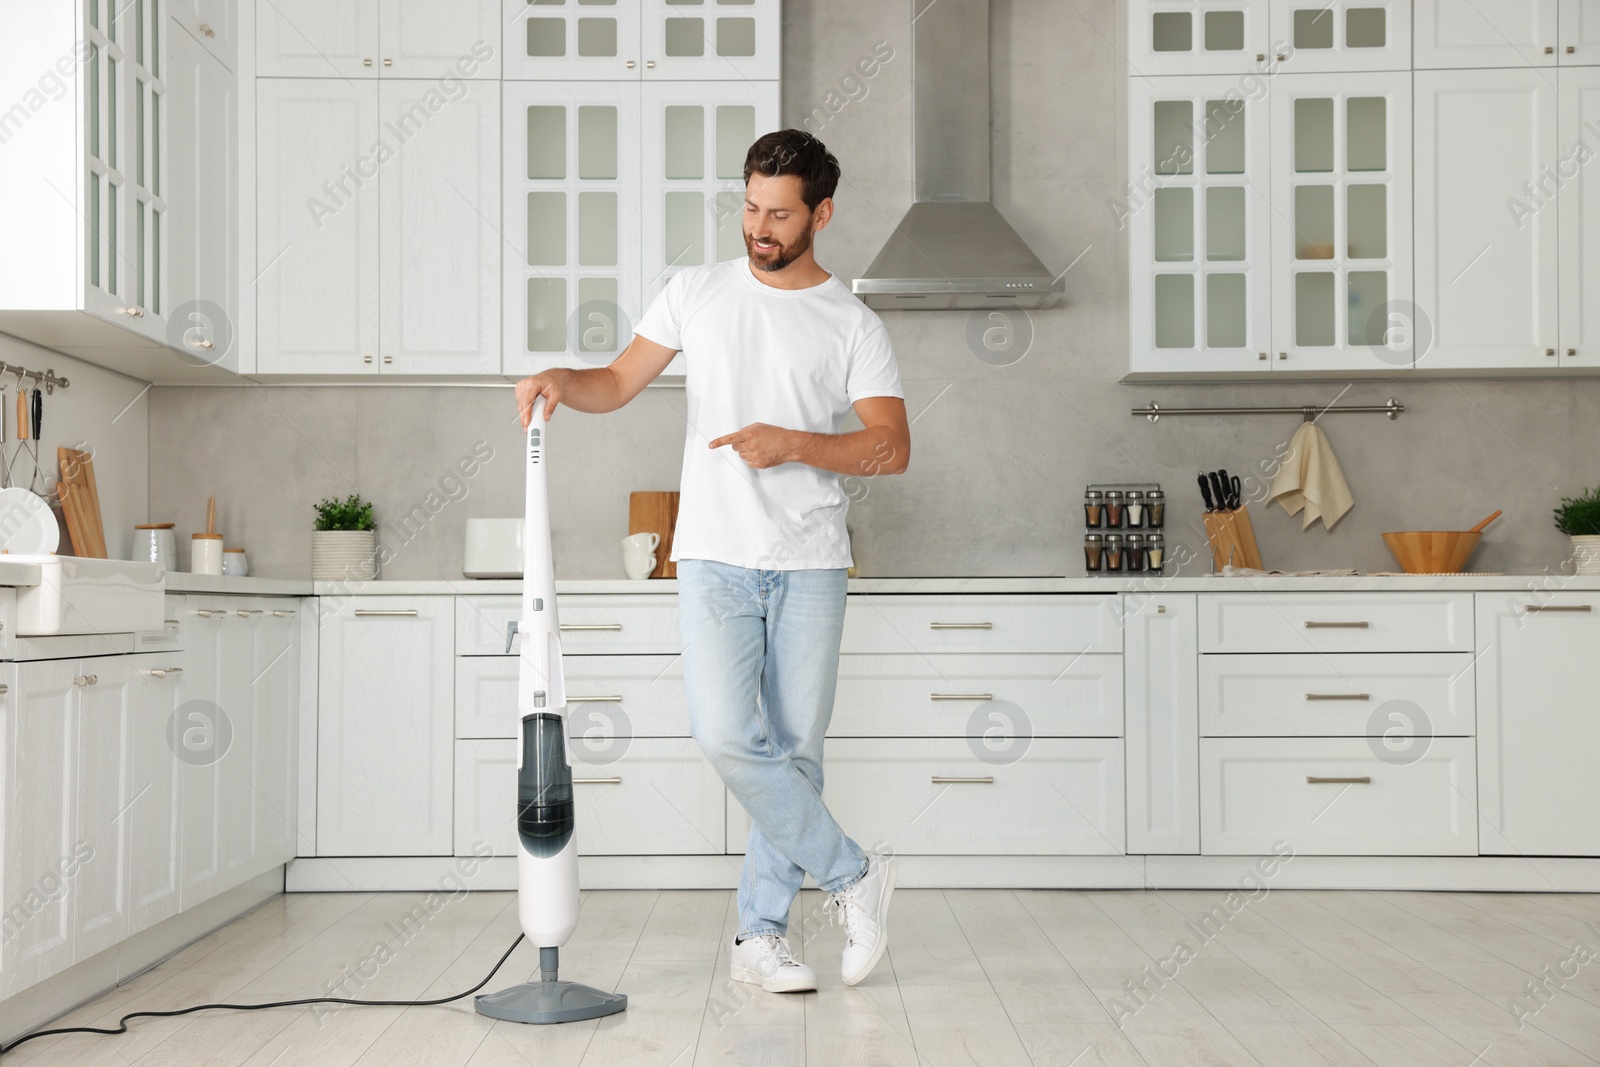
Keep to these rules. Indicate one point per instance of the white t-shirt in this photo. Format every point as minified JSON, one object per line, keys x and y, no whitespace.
{"x":795,"y":358}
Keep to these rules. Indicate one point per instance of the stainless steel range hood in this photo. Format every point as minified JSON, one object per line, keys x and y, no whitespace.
{"x":953,"y":249}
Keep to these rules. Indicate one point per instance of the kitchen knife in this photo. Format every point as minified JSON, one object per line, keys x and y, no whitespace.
{"x":1217,"y":492}
{"x":1205,"y":492}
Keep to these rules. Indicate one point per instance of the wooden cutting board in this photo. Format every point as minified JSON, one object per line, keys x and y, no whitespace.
{"x":655,"y":513}
{"x":80,"y":502}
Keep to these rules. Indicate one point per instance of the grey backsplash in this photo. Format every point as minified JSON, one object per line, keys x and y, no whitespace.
{"x":1000,"y":454}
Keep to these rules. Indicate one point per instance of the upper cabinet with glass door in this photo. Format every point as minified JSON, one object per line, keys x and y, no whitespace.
{"x":378,"y":39}
{"x":1197,"y":37}
{"x":1340,"y":35}
{"x":1342,"y":231}
{"x":618,"y":40}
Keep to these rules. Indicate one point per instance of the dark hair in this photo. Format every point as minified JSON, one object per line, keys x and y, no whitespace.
{"x":798,"y":153}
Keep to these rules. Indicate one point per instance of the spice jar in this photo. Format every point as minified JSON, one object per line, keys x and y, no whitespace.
{"x":1093,"y":552}
{"x":1133,"y":554}
{"x":1156,"y":551}
{"x":1113,"y":552}
{"x":1135,"y":508}
{"x":1114,"y":509}
{"x":1155,"y":506}
{"x":1094,"y":503}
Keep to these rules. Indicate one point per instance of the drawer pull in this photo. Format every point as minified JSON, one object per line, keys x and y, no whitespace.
{"x":591,"y":626}
{"x":1310,"y":625}
{"x":393,"y":613}
{"x":1557,"y":607}
{"x":961,"y":626}
{"x":573,"y":698}
{"x":85,"y":679}
{"x":1338,"y":696}
{"x":960,"y":696}
{"x":942,"y":779}
{"x":169,"y":622}
{"x":598,"y":781}
{"x":1365,"y":779}
{"x":281,"y":614}
{"x":162,"y":672}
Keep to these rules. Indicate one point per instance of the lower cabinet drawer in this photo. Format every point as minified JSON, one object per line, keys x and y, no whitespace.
{"x":938,"y":625}
{"x":1385,"y":621}
{"x":590,"y":624}
{"x":659,"y":798}
{"x":1403,"y":695}
{"x":1256,"y":792}
{"x":1063,"y":797}
{"x":1001,"y":697}
{"x":609,"y":698}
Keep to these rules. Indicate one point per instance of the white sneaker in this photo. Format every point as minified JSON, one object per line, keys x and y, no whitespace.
{"x":865,"y":910}
{"x":768,"y":962}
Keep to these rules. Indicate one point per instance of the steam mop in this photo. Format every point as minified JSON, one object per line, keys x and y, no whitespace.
{"x":547,"y":852}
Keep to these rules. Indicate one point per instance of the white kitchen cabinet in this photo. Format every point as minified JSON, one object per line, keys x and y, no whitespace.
{"x":730,"y":40}
{"x":1538,"y":724}
{"x":377,"y":38}
{"x":979,"y":623}
{"x":633,"y":696}
{"x":385,"y":746}
{"x":1323,"y":36}
{"x":153,"y":814}
{"x":275,"y":692}
{"x":203,"y":141}
{"x":1342,"y":230}
{"x":1336,"y":622}
{"x":1579,"y":26}
{"x":440,"y":249}
{"x":215,"y":24}
{"x":1485,"y":33}
{"x":1198,"y":37}
{"x":571,"y":210}
{"x":105,"y":712}
{"x":1486,"y":249}
{"x":568,"y":40}
{"x":695,"y":138}
{"x":1578,"y":211}
{"x":1163,"y":756}
{"x":1199,"y":226}
{"x":316,"y":226}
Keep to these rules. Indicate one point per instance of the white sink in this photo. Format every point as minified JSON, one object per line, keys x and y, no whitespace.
{"x":77,"y":595}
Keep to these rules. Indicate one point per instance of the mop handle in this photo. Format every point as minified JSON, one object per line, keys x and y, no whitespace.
{"x":541,"y":683}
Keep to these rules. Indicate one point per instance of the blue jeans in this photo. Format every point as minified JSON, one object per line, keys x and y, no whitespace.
{"x":760,"y":663}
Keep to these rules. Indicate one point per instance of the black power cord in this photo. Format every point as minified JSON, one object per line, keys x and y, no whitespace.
{"x":122,"y":1024}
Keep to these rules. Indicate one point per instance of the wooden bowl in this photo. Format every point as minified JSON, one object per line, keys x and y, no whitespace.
{"x":1432,"y":551}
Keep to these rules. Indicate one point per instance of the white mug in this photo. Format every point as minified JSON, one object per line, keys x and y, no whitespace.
{"x":638,"y":554}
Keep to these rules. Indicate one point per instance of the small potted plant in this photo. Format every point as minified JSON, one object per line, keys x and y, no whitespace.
{"x":1579,"y":518}
{"x":344,"y":541}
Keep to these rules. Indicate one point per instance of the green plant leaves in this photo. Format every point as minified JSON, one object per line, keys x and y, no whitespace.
{"x":1579,"y":516}
{"x":351,"y":513}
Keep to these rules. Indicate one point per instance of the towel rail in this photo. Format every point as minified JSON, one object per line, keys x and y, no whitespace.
{"x":1393,"y":408}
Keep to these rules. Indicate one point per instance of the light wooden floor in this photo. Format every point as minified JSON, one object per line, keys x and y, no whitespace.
{"x":972,"y":976}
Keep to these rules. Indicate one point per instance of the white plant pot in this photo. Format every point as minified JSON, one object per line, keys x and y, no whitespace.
{"x":344,"y":555}
{"x":1586,"y":553}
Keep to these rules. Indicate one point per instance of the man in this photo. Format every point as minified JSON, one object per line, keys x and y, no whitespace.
{"x":778,"y":351}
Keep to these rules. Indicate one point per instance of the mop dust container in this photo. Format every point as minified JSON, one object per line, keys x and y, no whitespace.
{"x":547,"y":851}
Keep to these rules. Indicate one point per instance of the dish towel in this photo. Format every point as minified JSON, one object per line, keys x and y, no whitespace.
{"x":1310,"y":479}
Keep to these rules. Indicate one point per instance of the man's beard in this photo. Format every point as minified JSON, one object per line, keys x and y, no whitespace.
{"x":782,"y":257}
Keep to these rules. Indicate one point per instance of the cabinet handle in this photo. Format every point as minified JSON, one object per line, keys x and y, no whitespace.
{"x":1338,"y":696}
{"x":162,"y":672}
{"x":388,"y":359}
{"x":1572,"y":351}
{"x":1261,"y":57}
{"x":961,"y":626}
{"x":649,"y":64}
{"x":203,"y":344}
{"x":571,"y":699}
{"x":1549,"y":50}
{"x":204,"y":613}
{"x":1261,"y":355}
{"x":591,"y":626}
{"x":4,"y":688}
{"x":1281,"y":57}
{"x":245,"y":613}
{"x":1557,"y":607}
{"x":1365,"y":779}
{"x":386,"y":612}
{"x":630,"y":64}
{"x":960,"y":696}
{"x":1549,"y":351}
{"x":366,"y":62}
{"x":1283,"y":355}
{"x":1571,"y":49}
{"x":388,"y":62}
{"x":1337,"y":625}
{"x":945,"y":779}
{"x":85,"y":679}
{"x":598,"y":781}
{"x":137,"y":313}
{"x":281,"y":614}
{"x":366,"y":359}
{"x":205,"y":28}
{"x":169,"y":622}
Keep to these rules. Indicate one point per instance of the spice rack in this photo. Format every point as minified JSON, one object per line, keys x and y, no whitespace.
{"x":1124,"y":528}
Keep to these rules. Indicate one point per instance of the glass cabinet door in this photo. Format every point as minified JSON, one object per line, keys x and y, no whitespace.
{"x":1198,"y":223}
{"x":696,"y":136}
{"x":1341,"y":193}
{"x":711,"y":40}
{"x":147,"y":203}
{"x":108,"y":267}
{"x":571,"y":215}
{"x":1197,"y":37}
{"x":580,"y":39}
{"x":1341,"y":35}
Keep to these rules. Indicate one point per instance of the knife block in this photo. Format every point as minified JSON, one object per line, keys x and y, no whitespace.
{"x":1230,"y":533}
{"x":655,"y":513}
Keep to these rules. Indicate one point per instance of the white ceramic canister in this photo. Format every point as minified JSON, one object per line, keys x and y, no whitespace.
{"x":205,"y":553}
{"x":154,"y":543}
{"x":234,"y":565}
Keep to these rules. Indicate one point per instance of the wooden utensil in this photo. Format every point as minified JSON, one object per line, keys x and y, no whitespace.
{"x":655,"y":513}
{"x":22,"y":415}
{"x":1479,"y":528}
{"x":211,"y":515}
{"x":80,"y":501}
